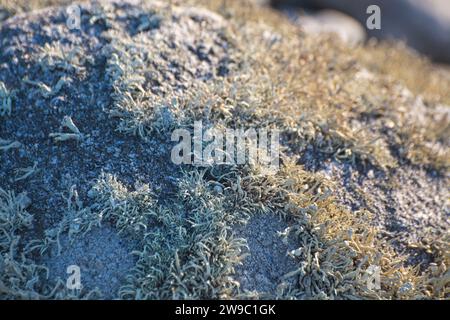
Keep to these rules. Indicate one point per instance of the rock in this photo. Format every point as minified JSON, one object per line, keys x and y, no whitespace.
{"x":423,"y":24}
{"x":331,"y":21}
{"x":141,"y":70}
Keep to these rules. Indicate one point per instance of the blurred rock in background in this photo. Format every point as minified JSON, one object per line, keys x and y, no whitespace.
{"x":330,"y":21}
{"x":422,"y":24}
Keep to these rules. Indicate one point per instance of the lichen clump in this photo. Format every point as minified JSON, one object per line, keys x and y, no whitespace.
{"x":5,"y":100}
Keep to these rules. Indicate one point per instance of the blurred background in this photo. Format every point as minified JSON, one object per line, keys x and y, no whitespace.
{"x":422,"y":24}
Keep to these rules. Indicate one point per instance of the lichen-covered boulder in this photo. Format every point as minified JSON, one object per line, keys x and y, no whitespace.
{"x":92,"y":204}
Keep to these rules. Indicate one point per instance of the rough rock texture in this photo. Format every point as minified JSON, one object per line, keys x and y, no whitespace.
{"x":406,"y":205}
{"x":104,"y":259}
{"x":267,"y":262}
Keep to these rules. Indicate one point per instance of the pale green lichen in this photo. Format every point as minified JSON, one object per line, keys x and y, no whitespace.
{"x":5,"y":100}
{"x":191,"y":252}
{"x":59,"y":57}
{"x":67,"y":123}
{"x":24,"y":173}
{"x":141,"y":112}
{"x":129,"y":211}
{"x":19,"y":275}
{"x":46,"y":91}
{"x":6,"y":145}
{"x":77,"y":220}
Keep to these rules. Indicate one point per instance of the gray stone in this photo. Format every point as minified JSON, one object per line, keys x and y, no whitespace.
{"x":335,"y":22}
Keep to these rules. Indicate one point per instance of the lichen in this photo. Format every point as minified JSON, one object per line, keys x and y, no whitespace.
{"x":5,"y":100}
